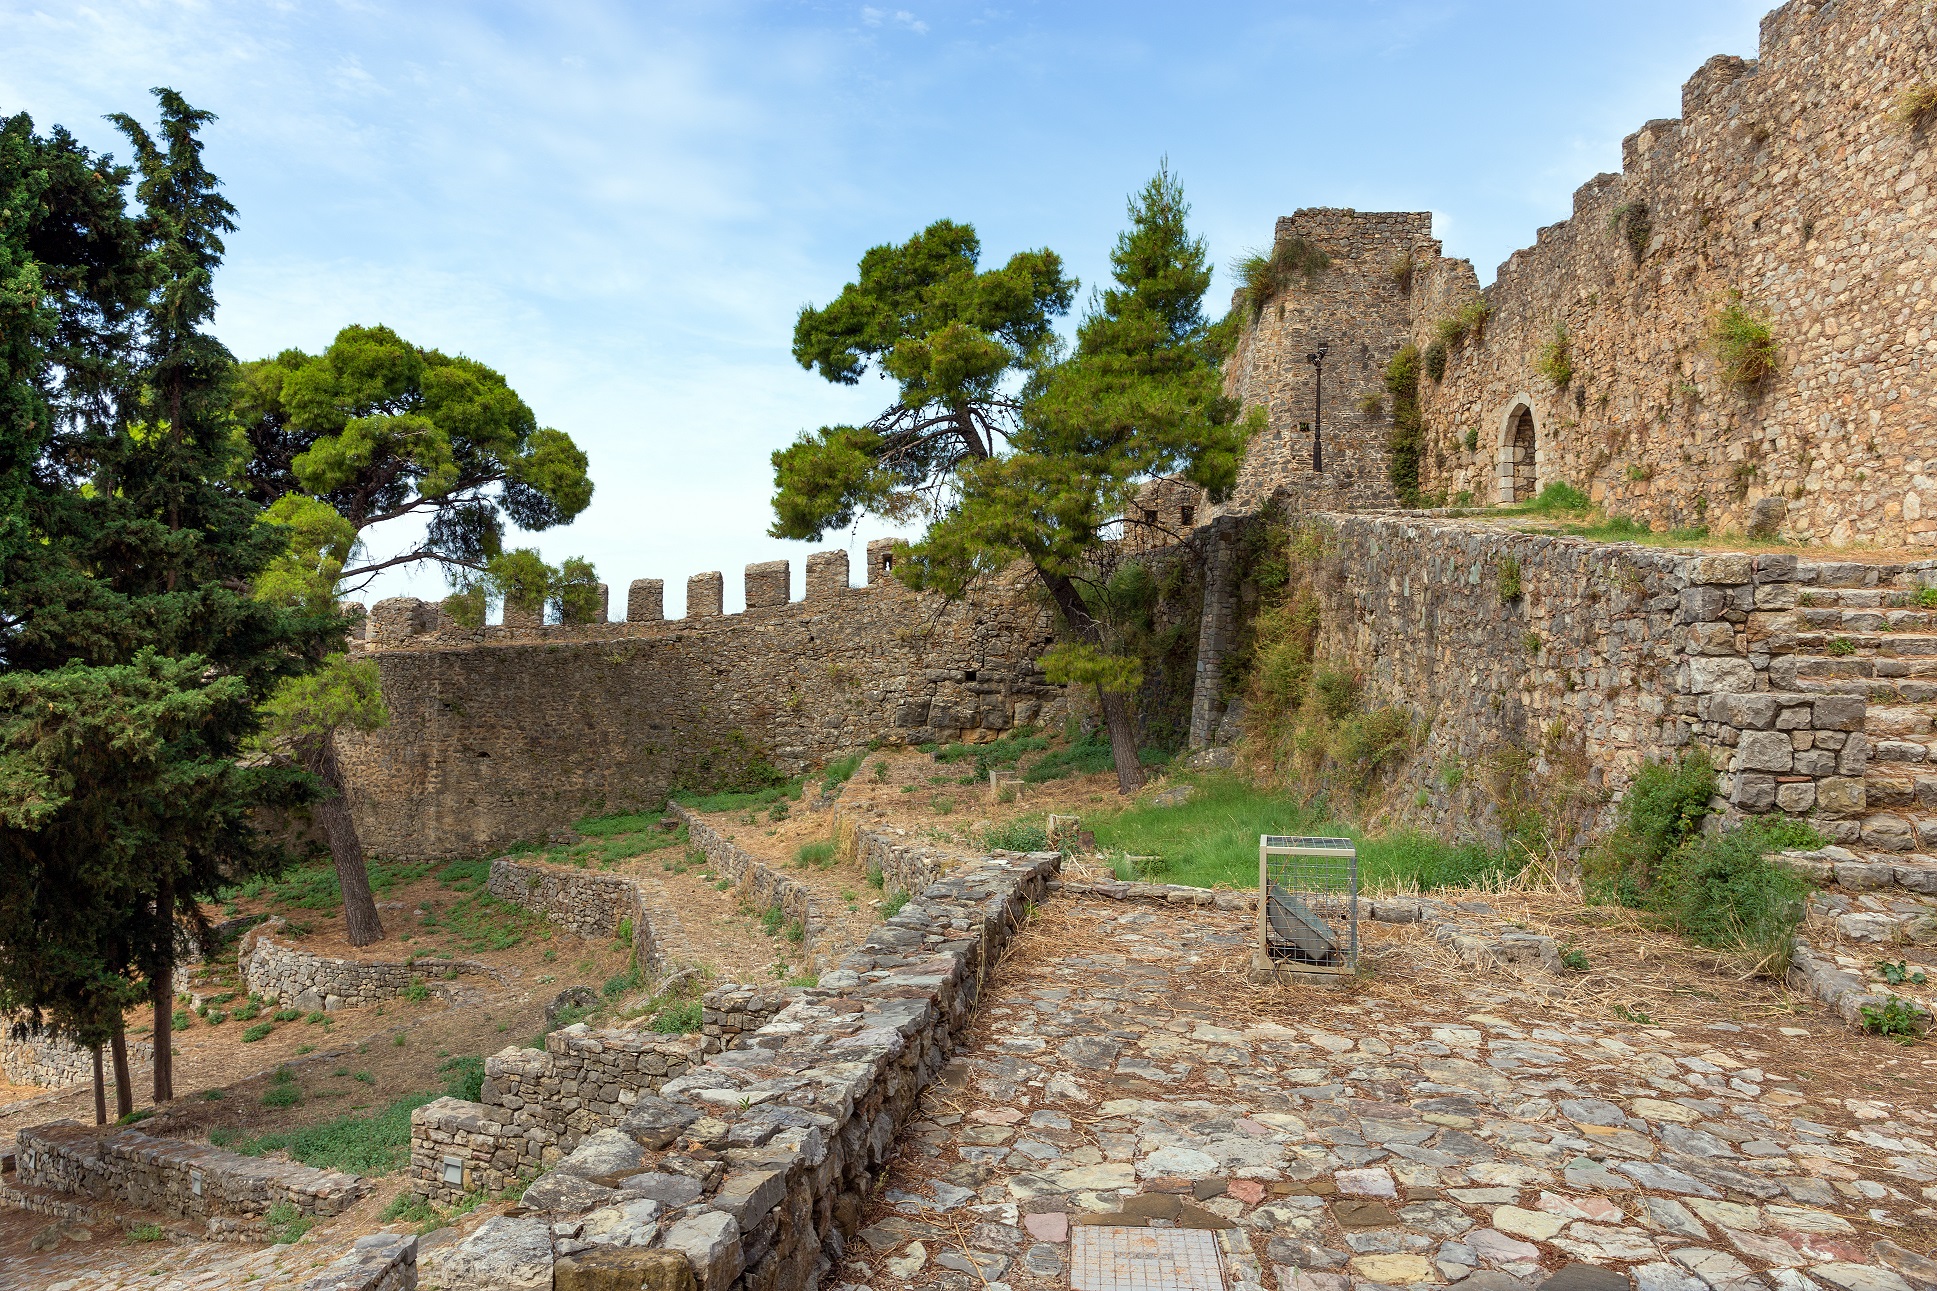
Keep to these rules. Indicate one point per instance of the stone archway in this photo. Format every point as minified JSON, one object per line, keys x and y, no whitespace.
{"x":1518,"y":470}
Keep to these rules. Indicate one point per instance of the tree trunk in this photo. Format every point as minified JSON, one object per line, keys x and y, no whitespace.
{"x":1116,"y":707}
{"x":161,"y":988}
{"x":360,"y":919}
{"x":100,"y":1090}
{"x":124,"y":1085}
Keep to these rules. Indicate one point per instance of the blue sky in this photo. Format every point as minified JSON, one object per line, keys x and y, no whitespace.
{"x":622,"y":207}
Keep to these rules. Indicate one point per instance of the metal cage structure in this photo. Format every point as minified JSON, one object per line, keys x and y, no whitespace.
{"x":1308,"y":906}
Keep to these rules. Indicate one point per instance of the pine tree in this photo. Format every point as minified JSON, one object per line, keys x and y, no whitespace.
{"x":135,"y":656}
{"x":1045,"y":475}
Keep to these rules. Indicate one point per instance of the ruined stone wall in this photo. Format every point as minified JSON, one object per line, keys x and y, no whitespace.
{"x":1787,"y":183}
{"x":591,"y":905}
{"x":759,"y":886}
{"x":187,"y":1180}
{"x":1576,"y":661}
{"x":307,"y":981}
{"x":54,"y":1062}
{"x":499,"y":734}
{"x":1358,"y":306}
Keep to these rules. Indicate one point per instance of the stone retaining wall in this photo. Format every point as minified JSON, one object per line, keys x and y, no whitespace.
{"x":786,"y":1136}
{"x":731,"y":1011}
{"x":536,"y":1104}
{"x":378,"y":1262}
{"x":1554,"y":664}
{"x":298,"y":979}
{"x":759,"y":886}
{"x":906,"y":864}
{"x":55,"y":1062}
{"x":591,"y":905}
{"x":172,"y":1177}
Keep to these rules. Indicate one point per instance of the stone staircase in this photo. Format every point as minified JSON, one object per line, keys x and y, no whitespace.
{"x":1863,"y":630}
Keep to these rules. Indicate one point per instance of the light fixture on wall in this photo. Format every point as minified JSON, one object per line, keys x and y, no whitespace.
{"x":1317,"y":359}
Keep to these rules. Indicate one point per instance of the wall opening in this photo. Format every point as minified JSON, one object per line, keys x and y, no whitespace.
{"x":1518,"y":477}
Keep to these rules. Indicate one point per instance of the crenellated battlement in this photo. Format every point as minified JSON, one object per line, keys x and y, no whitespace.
{"x":415,"y":623}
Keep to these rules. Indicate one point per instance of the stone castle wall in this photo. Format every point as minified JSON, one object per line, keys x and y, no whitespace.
{"x":499,"y":734}
{"x":1603,"y":656}
{"x":1788,"y":184}
{"x":1358,"y":307}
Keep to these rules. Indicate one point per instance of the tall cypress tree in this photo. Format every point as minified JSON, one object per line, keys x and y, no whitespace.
{"x":135,"y":656}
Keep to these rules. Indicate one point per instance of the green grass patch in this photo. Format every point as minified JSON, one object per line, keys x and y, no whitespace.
{"x":375,"y":1144}
{"x":260,"y":1031}
{"x":1087,"y":756}
{"x":680,"y":1018}
{"x":893,"y":904}
{"x":464,"y":1076}
{"x":841,"y":770}
{"x":817,"y":855}
{"x":1020,"y":835}
{"x":789,"y":791}
{"x":282,"y":1096}
{"x":1212,"y":840}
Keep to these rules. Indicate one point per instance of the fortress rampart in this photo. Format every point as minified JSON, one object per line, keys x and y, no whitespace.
{"x":1789,"y":186}
{"x":501,"y":733}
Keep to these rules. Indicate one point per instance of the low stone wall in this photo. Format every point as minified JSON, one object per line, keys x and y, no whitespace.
{"x":536,"y":1104}
{"x":55,"y":1062}
{"x":731,"y":1010}
{"x":301,"y":980}
{"x":186,"y":1180}
{"x":591,"y":905}
{"x":758,"y":886}
{"x":784,"y":1138}
{"x":378,"y":1262}
{"x":905,"y":863}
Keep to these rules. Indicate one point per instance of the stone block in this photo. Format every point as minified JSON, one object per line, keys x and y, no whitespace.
{"x":1764,"y":751}
{"x":623,"y":1270}
{"x":1839,"y":712}
{"x":645,"y":601}
{"x":710,"y":1242}
{"x":1749,"y":712}
{"x":1726,"y":569}
{"x":1795,"y":798}
{"x":1794,"y":718}
{"x":1839,"y":795}
{"x":1855,"y":757}
{"x":705,"y":595}
{"x":1701,"y":604}
{"x":768,"y":583}
{"x":1777,"y":596}
{"x":1707,"y":676}
{"x":1753,"y":792}
{"x":1816,"y":762}
{"x":826,"y":574}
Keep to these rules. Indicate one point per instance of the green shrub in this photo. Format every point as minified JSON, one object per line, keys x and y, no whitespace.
{"x":257,"y":1032}
{"x":630,"y":980}
{"x":282,"y":1096}
{"x":1403,"y":446}
{"x":417,"y":992}
{"x":817,"y":855}
{"x":1559,"y":497}
{"x":1745,"y":346}
{"x":1471,"y":439}
{"x":287,"y":1015}
{"x":285,"y":1224}
{"x":1435,"y":361}
{"x":1337,"y":692}
{"x":771,"y":918}
{"x":1365,"y":744}
{"x":1721,"y":890}
{"x":182,"y":1020}
{"x":682,"y":1018}
{"x":1927,"y":598}
{"x":1556,"y":360}
{"x":875,"y":877}
{"x":1896,"y":1017}
{"x":1898,"y":972}
{"x":465,"y":1077}
{"x":1015,"y":836}
{"x":892,"y":906}
{"x":147,"y":1233}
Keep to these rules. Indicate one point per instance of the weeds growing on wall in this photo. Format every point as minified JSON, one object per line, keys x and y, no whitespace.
{"x":1717,"y":887}
{"x":1400,"y":271}
{"x":1434,"y":361}
{"x":1556,"y":360}
{"x":1262,"y":277}
{"x":1468,"y":320}
{"x":1630,"y":220}
{"x":1914,"y":104}
{"x":1745,"y":347}
{"x":1403,"y":441}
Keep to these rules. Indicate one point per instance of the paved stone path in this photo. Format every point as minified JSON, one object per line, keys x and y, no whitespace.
{"x":1346,"y":1142}
{"x":96,"y":1257}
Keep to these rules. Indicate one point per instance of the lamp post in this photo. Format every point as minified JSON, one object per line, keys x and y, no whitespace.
{"x":1317,"y":359}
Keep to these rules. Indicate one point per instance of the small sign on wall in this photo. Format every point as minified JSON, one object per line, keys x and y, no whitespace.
{"x":454,"y":1171}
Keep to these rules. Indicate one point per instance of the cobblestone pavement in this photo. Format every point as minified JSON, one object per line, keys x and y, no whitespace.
{"x":1485,"y":1135}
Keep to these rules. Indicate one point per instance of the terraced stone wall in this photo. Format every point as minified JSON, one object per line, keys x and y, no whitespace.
{"x":591,"y":905}
{"x":502,"y":733}
{"x":53,"y":1062}
{"x":1554,"y":666}
{"x":187,"y":1180}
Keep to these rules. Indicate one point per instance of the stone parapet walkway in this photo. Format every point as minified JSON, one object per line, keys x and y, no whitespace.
{"x":1429,"y":1127}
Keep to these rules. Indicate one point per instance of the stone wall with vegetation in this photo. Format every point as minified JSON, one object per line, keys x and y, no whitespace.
{"x":758,"y":885}
{"x":498,"y":734}
{"x":173,"y":1177}
{"x":1791,"y":201}
{"x":752,"y":1169}
{"x":1471,"y":676}
{"x":302,"y":980}
{"x":49,"y":1060}
{"x":589,"y":904}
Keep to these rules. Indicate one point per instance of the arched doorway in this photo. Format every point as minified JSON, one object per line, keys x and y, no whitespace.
{"x":1518,"y":474}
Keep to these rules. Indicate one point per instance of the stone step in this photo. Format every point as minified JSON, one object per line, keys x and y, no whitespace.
{"x":1864,"y":645}
{"x":1900,"y":784}
{"x":1899,"y":753}
{"x":1851,"y":575}
{"x":1866,"y":870}
{"x":1860,"y":598}
{"x":1900,"y":722}
{"x":1883,"y":620}
{"x":1902,"y":830}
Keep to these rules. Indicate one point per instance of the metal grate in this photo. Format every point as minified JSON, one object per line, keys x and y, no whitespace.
{"x":1308,"y":908}
{"x":1108,"y":1258}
